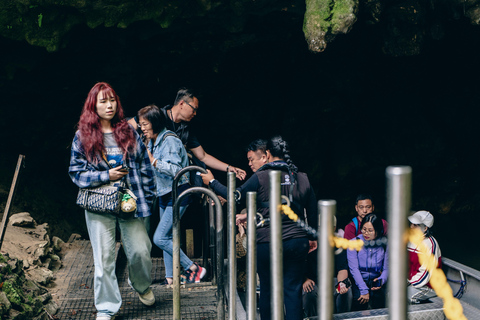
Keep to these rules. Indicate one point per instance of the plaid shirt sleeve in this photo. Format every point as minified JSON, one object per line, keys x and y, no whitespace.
{"x":83,"y":173}
{"x":141,"y":179}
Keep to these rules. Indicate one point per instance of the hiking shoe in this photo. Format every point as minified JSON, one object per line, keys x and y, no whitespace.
{"x":195,"y":276}
{"x":148,"y":298}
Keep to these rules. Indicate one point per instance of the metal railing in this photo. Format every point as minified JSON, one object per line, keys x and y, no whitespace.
{"x":398,"y":206}
{"x":177,"y":200}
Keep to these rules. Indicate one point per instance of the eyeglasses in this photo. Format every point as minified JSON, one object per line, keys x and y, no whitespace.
{"x":194,"y":109}
{"x":144,"y":125}
{"x":368,"y":231}
{"x":364,"y":207}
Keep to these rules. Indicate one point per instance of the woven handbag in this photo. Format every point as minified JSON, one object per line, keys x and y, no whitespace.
{"x":103,"y":199}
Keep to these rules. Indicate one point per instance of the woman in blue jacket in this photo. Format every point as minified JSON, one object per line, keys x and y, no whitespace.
{"x":168,"y":156}
{"x":369,"y":267}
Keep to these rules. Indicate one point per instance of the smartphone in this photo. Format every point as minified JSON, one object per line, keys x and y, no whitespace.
{"x":124,"y":167}
{"x":377,"y":283}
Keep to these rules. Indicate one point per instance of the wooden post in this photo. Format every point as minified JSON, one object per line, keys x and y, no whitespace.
{"x":10,"y":199}
{"x":190,"y":243}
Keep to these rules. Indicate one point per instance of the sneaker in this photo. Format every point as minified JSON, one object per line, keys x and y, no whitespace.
{"x":196,"y":276}
{"x":165,"y":283}
{"x":148,"y":298}
{"x":105,"y":317}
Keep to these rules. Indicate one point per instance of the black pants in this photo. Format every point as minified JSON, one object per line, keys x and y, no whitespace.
{"x":376,"y":301}
{"x":294,"y":254}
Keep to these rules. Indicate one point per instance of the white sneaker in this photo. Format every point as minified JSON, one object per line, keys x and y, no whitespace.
{"x":105,"y":317}
{"x":148,"y":298}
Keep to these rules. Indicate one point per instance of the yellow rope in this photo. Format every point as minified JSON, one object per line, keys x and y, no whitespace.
{"x":451,"y":306}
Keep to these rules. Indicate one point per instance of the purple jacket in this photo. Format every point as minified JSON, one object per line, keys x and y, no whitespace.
{"x":368,"y":264}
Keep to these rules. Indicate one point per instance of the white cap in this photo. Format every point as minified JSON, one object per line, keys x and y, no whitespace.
{"x":422,"y":217}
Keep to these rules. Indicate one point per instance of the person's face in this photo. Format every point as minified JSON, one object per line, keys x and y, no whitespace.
{"x":419,"y":227}
{"x":146,"y":127}
{"x":363,"y":208}
{"x":106,"y":106}
{"x":368,"y":231}
{"x":256,"y":159}
{"x":188,"y":110}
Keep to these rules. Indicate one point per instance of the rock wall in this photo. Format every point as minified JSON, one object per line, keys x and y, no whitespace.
{"x":405,"y":25}
{"x":28,"y":261}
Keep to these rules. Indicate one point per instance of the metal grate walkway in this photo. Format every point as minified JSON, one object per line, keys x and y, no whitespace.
{"x":73,"y":291}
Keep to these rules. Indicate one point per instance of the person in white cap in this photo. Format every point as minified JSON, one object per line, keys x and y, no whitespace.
{"x":419,"y":288}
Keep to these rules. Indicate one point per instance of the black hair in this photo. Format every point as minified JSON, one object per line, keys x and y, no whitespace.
{"x":279,"y":148}
{"x":184,"y":94}
{"x":154,"y":116}
{"x":376,"y":222}
{"x":258,"y":144}
{"x":364,"y":196}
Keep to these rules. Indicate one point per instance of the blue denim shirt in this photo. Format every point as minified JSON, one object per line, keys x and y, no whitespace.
{"x":368,"y":264}
{"x":171,"y":157}
{"x":140,"y":174}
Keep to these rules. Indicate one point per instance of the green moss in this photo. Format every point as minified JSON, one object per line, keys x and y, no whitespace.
{"x":12,"y":293}
{"x":326,"y":18}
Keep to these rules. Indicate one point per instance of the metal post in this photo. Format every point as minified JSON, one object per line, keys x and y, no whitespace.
{"x":276,"y":247}
{"x":399,"y":181}
{"x":213,"y":235}
{"x":220,"y":260}
{"x":206,"y":237}
{"x":232,"y":254}
{"x":10,"y":199}
{"x":251,"y":255}
{"x":176,"y":252}
{"x":326,"y":210}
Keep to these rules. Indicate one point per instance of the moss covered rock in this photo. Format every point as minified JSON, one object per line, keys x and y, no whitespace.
{"x":324,"y":19}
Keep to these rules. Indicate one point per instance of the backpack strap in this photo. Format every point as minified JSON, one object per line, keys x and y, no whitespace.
{"x":168,"y":134}
{"x":355,"y":222}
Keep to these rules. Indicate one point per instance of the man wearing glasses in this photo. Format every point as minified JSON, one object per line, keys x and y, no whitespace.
{"x":364,"y":205}
{"x":178,"y":116}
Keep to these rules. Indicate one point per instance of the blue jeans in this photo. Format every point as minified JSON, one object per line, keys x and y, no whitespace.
{"x":164,"y":240}
{"x":137,"y":246}
{"x":294,"y":254}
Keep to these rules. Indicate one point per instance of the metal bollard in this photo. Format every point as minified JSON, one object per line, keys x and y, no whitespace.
{"x":326,"y":210}
{"x":399,"y":181}
{"x":251,"y":255}
{"x":276,"y":248}
{"x":232,"y":252}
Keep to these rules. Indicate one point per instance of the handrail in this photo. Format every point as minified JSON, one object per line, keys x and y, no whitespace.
{"x":181,"y":173}
{"x":206,"y":241}
{"x":176,"y":251}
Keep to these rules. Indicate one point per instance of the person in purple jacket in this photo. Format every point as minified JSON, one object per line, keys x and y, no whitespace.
{"x":369,"y":267}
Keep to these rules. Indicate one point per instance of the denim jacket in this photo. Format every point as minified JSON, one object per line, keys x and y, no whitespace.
{"x":171,"y":157}
{"x":86,"y":174}
{"x":368,"y":264}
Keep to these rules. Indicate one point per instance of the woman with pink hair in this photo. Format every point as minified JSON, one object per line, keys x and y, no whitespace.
{"x":105,"y":149}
